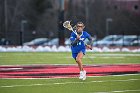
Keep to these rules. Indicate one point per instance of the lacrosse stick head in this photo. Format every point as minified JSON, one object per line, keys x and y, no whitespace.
{"x":67,"y":25}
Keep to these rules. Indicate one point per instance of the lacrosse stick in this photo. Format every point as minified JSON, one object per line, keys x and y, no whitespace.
{"x":67,"y":25}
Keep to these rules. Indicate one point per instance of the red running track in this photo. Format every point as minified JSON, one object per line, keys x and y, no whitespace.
{"x":62,"y":71}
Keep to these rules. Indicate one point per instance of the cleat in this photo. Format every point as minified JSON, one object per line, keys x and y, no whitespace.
{"x":81,"y":75}
{"x":84,"y":75}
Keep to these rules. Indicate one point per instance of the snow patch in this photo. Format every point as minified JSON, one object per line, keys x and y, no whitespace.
{"x":61,"y":49}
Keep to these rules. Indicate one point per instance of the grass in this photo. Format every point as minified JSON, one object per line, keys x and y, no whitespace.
{"x":14,"y":58}
{"x":104,"y":84}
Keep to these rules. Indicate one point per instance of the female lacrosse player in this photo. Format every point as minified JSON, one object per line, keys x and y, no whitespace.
{"x":78,"y":47}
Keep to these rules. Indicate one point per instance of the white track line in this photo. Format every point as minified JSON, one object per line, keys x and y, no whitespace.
{"x":76,"y":77}
{"x":10,"y":68}
{"x":58,"y":83}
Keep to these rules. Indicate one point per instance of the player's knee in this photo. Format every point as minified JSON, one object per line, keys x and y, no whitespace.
{"x":78,"y":59}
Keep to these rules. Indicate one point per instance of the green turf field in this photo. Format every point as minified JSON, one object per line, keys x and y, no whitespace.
{"x":102,"y":84}
{"x":65,"y":58}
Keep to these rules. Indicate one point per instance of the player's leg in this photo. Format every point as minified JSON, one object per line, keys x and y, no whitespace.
{"x":80,"y":65}
{"x":79,"y":60}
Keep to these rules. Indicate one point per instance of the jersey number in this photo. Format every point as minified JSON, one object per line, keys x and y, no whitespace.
{"x":79,"y":43}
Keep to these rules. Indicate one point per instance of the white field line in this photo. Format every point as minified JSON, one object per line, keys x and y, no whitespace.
{"x":104,"y":57}
{"x":65,"y":83}
{"x":63,"y":64}
{"x":103,"y":54}
{"x":114,"y":54}
{"x":93,"y":54}
{"x":94,"y":57}
{"x":118,"y":91}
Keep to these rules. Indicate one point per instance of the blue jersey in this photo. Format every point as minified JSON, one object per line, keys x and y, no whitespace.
{"x":79,"y":46}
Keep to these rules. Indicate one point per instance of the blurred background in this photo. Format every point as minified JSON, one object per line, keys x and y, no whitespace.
{"x":39,"y":22}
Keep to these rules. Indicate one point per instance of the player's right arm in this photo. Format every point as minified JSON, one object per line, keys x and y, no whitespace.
{"x":74,"y":39}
